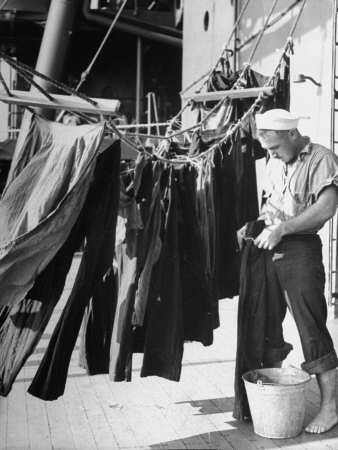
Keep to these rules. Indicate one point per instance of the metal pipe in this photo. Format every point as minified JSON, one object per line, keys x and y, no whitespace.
{"x":235,"y":58}
{"x":148,"y":112}
{"x":139,"y":81}
{"x":54,"y":43}
{"x":51,"y":57}
{"x":333,"y":226}
{"x":128,"y":28}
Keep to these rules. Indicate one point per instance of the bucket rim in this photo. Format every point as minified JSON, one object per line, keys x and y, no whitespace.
{"x":278,"y":369}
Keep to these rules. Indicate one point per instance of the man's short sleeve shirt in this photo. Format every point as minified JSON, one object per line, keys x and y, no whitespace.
{"x":291,"y":188}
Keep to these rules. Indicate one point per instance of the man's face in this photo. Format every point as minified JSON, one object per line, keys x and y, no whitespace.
{"x":280,"y":145}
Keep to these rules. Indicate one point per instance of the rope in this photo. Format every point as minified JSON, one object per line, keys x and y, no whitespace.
{"x":85,"y":73}
{"x":29,"y":80}
{"x":209,"y":73}
{"x":144,"y":135}
{"x":3,"y":4}
{"x":3,"y":82}
{"x":297,"y":18}
{"x":262,"y":31}
{"x":270,"y":24}
{"x":143,"y":125}
{"x":247,"y":65}
{"x":288,"y":45}
{"x":169,"y":132}
{"x":58,"y":84}
{"x":225,"y":49}
{"x":235,"y":126}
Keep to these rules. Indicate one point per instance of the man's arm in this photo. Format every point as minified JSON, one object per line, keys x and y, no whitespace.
{"x":313,"y":217}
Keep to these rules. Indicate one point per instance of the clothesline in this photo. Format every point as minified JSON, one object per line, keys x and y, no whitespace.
{"x":170,"y":133}
{"x":288,"y":46}
{"x":248,"y":64}
{"x":143,"y":125}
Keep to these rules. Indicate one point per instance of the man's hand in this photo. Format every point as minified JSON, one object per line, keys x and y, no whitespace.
{"x":269,"y":237}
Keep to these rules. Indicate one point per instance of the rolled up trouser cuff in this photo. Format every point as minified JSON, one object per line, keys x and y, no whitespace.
{"x":273,"y":355}
{"x":321,"y":365}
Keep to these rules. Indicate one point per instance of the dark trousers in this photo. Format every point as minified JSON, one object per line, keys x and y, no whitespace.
{"x":296,"y":280}
{"x":291,"y":275}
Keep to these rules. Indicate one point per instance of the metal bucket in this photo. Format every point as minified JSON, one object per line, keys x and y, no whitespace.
{"x":277,"y":401}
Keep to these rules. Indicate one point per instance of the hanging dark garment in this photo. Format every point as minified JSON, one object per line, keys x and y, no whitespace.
{"x":97,"y":327}
{"x":226,"y":273}
{"x":98,"y":322}
{"x":100,"y":219}
{"x":244,"y":162}
{"x":164,"y":338}
{"x":206,"y":215}
{"x":194,"y":276}
{"x":135,"y":229}
{"x":120,"y":364}
{"x":251,"y":316}
{"x":218,"y":200}
{"x":150,"y":243}
{"x":279,"y":99}
{"x":197,"y":145}
{"x":23,"y":324}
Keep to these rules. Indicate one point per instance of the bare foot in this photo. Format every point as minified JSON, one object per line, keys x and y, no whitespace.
{"x":324,"y":421}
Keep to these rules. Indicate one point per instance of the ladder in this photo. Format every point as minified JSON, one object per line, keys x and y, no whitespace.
{"x":332,"y":295}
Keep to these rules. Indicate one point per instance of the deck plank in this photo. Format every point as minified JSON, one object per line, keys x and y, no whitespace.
{"x":100,"y":427}
{"x":78,"y":418}
{"x":17,"y":436}
{"x":149,"y":413}
{"x":38,"y":426}
{"x":121,"y":428}
{"x":3,"y":421}
{"x":60,"y":430}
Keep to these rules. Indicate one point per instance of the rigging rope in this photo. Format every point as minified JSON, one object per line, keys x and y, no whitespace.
{"x":235,"y":126}
{"x":30,"y":80}
{"x":85,"y":74}
{"x":170,"y":134}
{"x":3,"y":82}
{"x":225,"y":49}
{"x":262,"y":31}
{"x":21,"y":66}
{"x":288,"y":46}
{"x":270,"y":24}
{"x":297,"y":18}
{"x":246,"y":66}
{"x":3,"y":4}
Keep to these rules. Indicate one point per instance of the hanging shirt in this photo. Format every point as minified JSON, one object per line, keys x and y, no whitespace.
{"x":45,"y":192}
{"x":292,"y":188}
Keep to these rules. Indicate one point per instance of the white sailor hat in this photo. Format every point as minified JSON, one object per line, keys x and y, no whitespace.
{"x":276,"y":119}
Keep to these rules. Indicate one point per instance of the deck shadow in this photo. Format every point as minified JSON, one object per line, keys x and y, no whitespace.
{"x":212,"y":405}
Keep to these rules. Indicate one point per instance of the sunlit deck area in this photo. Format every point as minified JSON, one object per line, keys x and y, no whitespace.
{"x":149,"y":413}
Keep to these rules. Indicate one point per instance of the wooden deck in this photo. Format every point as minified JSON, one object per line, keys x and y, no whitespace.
{"x":149,"y":413}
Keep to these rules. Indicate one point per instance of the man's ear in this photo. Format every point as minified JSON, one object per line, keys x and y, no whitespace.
{"x":293,"y":133}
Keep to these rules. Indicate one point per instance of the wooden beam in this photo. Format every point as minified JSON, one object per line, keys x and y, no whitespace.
{"x":232,"y":93}
{"x":106,"y":107}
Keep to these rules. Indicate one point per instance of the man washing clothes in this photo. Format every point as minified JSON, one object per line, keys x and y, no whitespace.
{"x":301,"y":189}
